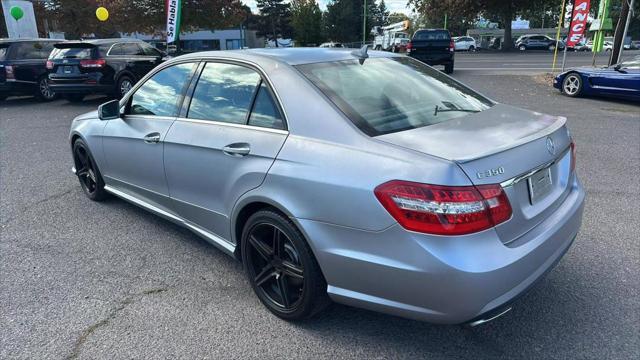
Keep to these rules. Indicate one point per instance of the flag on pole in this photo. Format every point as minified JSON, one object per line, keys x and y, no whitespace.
{"x":578,"y":22}
{"x":174,"y":13}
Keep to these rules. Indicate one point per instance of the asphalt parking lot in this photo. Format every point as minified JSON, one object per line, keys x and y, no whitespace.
{"x":108,"y":280}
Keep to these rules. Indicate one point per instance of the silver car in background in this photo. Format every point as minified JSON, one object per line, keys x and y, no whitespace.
{"x":369,"y":179}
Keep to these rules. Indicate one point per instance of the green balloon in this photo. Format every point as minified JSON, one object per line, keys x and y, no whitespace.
{"x":16,"y":12}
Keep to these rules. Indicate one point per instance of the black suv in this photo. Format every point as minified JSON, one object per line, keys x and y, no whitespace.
{"x":537,"y":42}
{"x":105,"y":66}
{"x":22,"y":68}
{"x":433,"y":47}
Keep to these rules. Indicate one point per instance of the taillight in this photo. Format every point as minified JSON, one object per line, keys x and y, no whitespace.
{"x":409,"y":46}
{"x":98,"y":63}
{"x":9,"y":71}
{"x":573,"y":156}
{"x":452,"y":46}
{"x":444,"y":210}
{"x":49,"y":64}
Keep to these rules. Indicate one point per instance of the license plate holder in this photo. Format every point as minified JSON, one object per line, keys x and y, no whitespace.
{"x":540,"y":185}
{"x":68,"y":69}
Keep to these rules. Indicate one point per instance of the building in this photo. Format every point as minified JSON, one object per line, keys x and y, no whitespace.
{"x":204,"y":40}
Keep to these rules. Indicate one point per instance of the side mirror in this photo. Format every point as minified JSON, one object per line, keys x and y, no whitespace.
{"x":109,"y":110}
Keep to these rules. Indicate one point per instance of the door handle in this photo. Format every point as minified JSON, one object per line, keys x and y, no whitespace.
{"x":152,"y":138}
{"x":237,"y":149}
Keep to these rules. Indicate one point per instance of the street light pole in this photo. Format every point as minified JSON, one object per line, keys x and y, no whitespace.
{"x":364,"y":24}
{"x":626,"y":28}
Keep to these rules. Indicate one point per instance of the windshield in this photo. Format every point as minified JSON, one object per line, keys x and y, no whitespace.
{"x":385,"y":95}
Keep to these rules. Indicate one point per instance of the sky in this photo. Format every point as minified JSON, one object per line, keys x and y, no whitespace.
{"x":392,"y":5}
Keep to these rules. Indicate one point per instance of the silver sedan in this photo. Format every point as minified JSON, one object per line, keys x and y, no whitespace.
{"x":366,"y":178}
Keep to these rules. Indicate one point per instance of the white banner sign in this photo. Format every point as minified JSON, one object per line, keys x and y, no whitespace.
{"x":24,"y":27}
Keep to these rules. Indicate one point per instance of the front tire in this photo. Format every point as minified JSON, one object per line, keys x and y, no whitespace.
{"x":472,"y":48}
{"x":522,"y":48}
{"x":87,"y":172}
{"x":281,"y":268}
{"x":572,"y":85}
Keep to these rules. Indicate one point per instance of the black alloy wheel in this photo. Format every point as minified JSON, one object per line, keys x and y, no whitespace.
{"x":44,"y":92}
{"x":87,"y":172}
{"x":281,"y":268}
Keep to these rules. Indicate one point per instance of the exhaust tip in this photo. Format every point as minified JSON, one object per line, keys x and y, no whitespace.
{"x":486,"y":320}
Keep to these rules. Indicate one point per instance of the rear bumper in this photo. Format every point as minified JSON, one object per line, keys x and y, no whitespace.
{"x":434,"y":59}
{"x":447,"y":280}
{"x":80,"y":88}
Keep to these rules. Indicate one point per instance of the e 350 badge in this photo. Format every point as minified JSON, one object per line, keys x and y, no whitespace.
{"x":490,"y":172}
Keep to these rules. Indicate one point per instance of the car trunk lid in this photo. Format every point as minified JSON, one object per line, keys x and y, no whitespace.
{"x":66,"y":59}
{"x":527,"y":152}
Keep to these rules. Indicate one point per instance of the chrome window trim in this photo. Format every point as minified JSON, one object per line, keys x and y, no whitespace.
{"x":240,"y":126}
{"x":516,"y":179}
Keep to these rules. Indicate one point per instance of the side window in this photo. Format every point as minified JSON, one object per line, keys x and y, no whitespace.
{"x":131,"y":49}
{"x":46,"y":49}
{"x":149,"y":50}
{"x":27,"y":50}
{"x":223,"y":93}
{"x":116,"y":50}
{"x":159,"y":95}
{"x":265,"y":112}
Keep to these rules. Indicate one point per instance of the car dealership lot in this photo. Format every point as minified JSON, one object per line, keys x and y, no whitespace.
{"x":88,"y":280}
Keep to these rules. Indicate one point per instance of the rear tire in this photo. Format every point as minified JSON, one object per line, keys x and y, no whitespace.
{"x":87,"y":172}
{"x":124,"y":84}
{"x":572,"y":85}
{"x":44,"y":92}
{"x":552,"y":47}
{"x":74,"y":98}
{"x":448,"y":68}
{"x":276,"y":256}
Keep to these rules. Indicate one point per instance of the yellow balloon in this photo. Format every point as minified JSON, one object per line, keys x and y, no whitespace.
{"x":102,"y":14}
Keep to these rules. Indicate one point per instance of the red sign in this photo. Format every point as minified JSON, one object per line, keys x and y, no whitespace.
{"x":578,"y":21}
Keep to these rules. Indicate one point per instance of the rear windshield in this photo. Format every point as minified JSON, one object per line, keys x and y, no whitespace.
{"x":432,"y":35}
{"x":72,"y":53}
{"x":386,"y":95}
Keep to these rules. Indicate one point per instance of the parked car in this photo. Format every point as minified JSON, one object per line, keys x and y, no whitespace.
{"x":341,"y":173}
{"x":433,"y":47}
{"x":22,"y":68}
{"x":331,"y":45}
{"x":606,"y":46}
{"x":537,"y":42}
{"x":464,"y":43}
{"x":105,"y":66}
{"x":621,"y":81}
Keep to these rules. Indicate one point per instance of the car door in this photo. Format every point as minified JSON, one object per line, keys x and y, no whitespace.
{"x":223,"y":144}
{"x":622,"y":82}
{"x":136,"y":61}
{"x":133,"y":144}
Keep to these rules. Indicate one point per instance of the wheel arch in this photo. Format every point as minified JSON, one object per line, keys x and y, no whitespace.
{"x":248,"y":206}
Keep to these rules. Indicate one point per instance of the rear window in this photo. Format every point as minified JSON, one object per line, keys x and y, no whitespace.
{"x":386,"y":95}
{"x":431,"y":35}
{"x":72,"y":53}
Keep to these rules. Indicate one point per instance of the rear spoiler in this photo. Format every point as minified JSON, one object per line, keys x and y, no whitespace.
{"x":68,"y":45}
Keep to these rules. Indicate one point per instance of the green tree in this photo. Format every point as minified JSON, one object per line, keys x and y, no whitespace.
{"x":306,"y":19}
{"x":396,"y":17}
{"x":274,"y":20}
{"x":344,"y":20}
{"x":383,"y":14}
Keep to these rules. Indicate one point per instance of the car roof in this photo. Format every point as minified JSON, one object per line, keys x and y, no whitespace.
{"x":6,"y":40}
{"x":104,"y":41}
{"x":291,"y":56}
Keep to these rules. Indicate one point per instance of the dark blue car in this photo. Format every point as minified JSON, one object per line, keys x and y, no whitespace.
{"x":620,"y":81}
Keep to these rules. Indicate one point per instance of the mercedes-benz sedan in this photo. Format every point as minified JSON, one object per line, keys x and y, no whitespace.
{"x":369,"y":179}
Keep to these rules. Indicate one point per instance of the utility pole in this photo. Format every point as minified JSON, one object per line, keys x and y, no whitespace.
{"x":364,"y":24}
{"x":621,"y":32}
